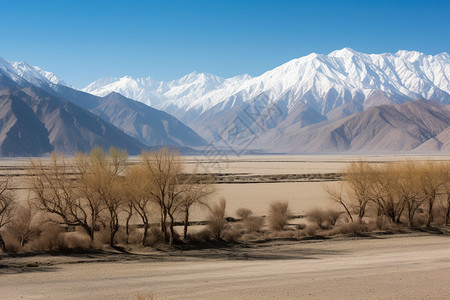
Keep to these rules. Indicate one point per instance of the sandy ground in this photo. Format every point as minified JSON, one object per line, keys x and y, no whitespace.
{"x":292,"y":164}
{"x":406,"y":266}
{"x":301,"y":196}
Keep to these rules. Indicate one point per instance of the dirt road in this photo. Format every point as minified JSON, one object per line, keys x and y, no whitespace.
{"x":410,"y":266}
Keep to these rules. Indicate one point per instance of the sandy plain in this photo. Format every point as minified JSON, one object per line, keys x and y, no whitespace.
{"x":399,"y":266}
{"x":408,"y":266}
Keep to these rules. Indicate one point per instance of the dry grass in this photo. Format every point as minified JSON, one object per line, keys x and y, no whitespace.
{"x":279,"y":215}
{"x":348,"y":228}
{"x":216,"y":220}
{"x":232,"y":233}
{"x":253,"y":224}
{"x":243,"y":213}
{"x":324,"y":218}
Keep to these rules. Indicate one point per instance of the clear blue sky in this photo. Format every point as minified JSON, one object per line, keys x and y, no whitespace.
{"x":81,"y":41}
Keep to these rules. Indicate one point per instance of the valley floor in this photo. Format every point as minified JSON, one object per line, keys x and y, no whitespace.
{"x":399,"y":266}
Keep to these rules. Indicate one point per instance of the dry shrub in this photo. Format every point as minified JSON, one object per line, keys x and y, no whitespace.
{"x":278,"y":215}
{"x":216,"y":220}
{"x":420,"y":219}
{"x":102,"y":236}
{"x":310,"y":230}
{"x":349,"y":228}
{"x":246,"y":237}
{"x":325,"y":219}
{"x":232,"y":234}
{"x":253,"y":224}
{"x":11,"y":242}
{"x":201,"y":236}
{"x":50,"y":238}
{"x":244,"y":213}
{"x":287,"y":234}
{"x":22,"y":227}
{"x":76,"y":241}
{"x":135,"y":235}
{"x":155,"y":236}
{"x":438,"y":216}
{"x":385,"y":223}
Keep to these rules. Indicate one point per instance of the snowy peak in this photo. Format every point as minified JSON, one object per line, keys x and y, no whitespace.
{"x":344,"y":53}
{"x":33,"y":74}
{"x":197,"y":77}
{"x":163,"y":94}
{"x":99,"y":83}
{"x":322,"y":82}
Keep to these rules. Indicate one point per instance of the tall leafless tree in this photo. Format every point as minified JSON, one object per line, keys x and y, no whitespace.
{"x":6,"y":206}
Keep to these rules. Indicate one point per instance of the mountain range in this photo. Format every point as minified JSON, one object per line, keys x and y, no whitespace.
{"x":41,"y":113}
{"x":344,"y":101}
{"x":307,"y":90}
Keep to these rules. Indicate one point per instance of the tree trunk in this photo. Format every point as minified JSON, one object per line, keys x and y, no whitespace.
{"x":346,"y":209}
{"x":114,"y":227}
{"x":362,"y":212}
{"x":164,"y":224}
{"x":400,"y":215}
{"x":89,"y":230}
{"x":379,"y":218}
{"x":430,"y":213}
{"x":93,"y":226}
{"x":91,"y":234}
{"x":127,"y":225}
{"x":447,"y":216}
{"x":410,"y":217}
{"x":186,"y":224}
{"x":144,"y":237}
{"x":2,"y":244}
{"x":172,"y":232}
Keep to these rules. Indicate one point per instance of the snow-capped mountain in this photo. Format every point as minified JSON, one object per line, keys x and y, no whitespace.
{"x":33,"y":74}
{"x":310,"y":92}
{"x":322,"y":82}
{"x":170,"y":96}
{"x":39,"y":112}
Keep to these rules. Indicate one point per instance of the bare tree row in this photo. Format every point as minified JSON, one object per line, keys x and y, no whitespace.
{"x":396,"y":191}
{"x":99,"y":190}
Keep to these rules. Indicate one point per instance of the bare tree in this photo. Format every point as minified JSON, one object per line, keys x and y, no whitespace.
{"x":446,"y":191}
{"x":6,"y":206}
{"x":163,"y":167}
{"x":356,"y":191}
{"x":358,"y":178}
{"x":22,"y":223}
{"x":54,"y":188}
{"x":195,"y":190}
{"x":386,"y":191}
{"x":138,"y":188}
{"x":408,"y":188}
{"x":107,"y":185}
{"x":432,"y":182}
{"x":337,"y":195}
{"x":92,"y":203}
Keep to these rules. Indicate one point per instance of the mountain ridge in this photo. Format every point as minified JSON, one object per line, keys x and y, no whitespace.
{"x":150,"y":126}
{"x":343,"y":101}
{"x":335,"y":85}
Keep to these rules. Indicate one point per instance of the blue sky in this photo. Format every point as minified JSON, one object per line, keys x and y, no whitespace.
{"x":81,"y":41}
